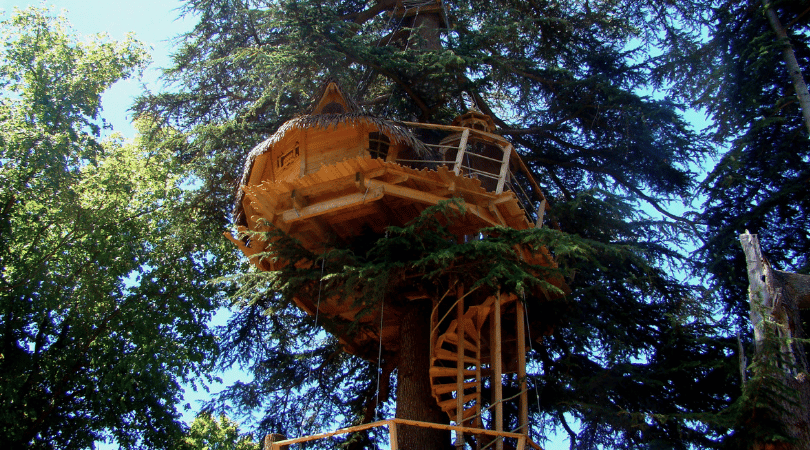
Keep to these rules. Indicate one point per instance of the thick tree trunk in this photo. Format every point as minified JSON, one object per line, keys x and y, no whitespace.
{"x":414,"y":399}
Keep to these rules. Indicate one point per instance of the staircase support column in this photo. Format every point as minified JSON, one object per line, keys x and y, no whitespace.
{"x":523,"y":417}
{"x":460,"y":365}
{"x":497,"y":368}
{"x":478,"y":422}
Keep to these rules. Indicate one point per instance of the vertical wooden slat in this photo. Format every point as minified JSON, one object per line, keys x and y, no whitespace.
{"x":478,"y":422}
{"x":541,"y":213}
{"x":507,"y":152}
{"x":302,"y":143}
{"x":460,"y":330}
{"x":462,"y":147}
{"x":392,"y":435}
{"x":523,"y":418}
{"x":497,"y":368}
{"x":434,"y":331}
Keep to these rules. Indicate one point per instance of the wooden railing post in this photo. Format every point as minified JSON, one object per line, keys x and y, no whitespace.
{"x":462,"y":147}
{"x":392,"y":435}
{"x":523,"y":417}
{"x":497,"y":369}
{"x":460,"y":366}
{"x":507,"y":153}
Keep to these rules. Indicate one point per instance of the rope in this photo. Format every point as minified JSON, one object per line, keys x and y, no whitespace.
{"x":309,"y":374}
{"x":379,"y":363}
{"x":529,"y":335}
{"x":451,"y":306}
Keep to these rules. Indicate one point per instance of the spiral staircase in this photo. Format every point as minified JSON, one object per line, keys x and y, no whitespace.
{"x":470,"y":352}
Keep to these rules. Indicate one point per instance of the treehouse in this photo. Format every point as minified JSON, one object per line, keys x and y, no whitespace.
{"x":335,"y":173}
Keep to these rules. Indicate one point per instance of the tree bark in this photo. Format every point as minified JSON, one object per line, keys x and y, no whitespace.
{"x":789,"y":56}
{"x":797,"y":285}
{"x":775,"y":315}
{"x":414,"y":398}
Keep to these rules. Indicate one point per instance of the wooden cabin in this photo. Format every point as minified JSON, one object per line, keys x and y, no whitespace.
{"x":328,"y":175}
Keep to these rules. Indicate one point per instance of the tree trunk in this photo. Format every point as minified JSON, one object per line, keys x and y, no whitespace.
{"x":414,"y":398}
{"x":793,"y":67}
{"x":775,"y":316}
{"x":798,"y":287}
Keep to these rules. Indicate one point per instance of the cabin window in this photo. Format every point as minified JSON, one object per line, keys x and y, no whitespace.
{"x":286,"y":159}
{"x":378,"y":145}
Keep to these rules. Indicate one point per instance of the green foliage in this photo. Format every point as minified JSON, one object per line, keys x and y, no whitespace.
{"x":635,"y":355}
{"x":103,"y":303}
{"x":760,"y":184}
{"x":616,"y":349}
{"x":206,"y":433}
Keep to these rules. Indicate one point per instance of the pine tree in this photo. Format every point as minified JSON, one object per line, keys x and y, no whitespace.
{"x":631,"y":355}
{"x":761,"y":182}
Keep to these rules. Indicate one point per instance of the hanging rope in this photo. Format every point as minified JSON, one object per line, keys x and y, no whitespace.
{"x":379,"y":362}
{"x":529,"y":335}
{"x":311,"y":340}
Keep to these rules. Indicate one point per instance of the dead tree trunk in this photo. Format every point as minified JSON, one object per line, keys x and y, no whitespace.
{"x":775,"y":316}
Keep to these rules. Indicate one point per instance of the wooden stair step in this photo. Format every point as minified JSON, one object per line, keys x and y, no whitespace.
{"x":440,"y":389}
{"x":448,"y":405}
{"x":478,"y":314}
{"x":453,"y":339}
{"x":449,"y":372}
{"x":444,"y":354}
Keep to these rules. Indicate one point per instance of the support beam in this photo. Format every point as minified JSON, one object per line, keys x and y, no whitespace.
{"x":460,"y":365}
{"x":497,"y":368}
{"x":331,"y":206}
{"x":523,"y":411}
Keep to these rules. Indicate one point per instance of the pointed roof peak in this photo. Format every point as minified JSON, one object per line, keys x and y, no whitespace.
{"x":332,"y":100}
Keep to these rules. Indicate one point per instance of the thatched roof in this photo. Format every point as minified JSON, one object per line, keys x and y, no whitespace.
{"x":330,"y":90}
{"x":397,"y":133}
{"x":332,"y":107}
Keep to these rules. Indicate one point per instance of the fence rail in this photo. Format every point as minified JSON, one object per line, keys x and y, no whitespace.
{"x":523,"y":441}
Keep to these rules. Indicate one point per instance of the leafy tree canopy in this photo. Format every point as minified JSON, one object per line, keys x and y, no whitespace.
{"x":103,"y":296}
{"x":206,"y":433}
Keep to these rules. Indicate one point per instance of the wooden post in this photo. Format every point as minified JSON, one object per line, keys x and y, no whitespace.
{"x":523,"y":417}
{"x":392,"y":435}
{"x":434,"y":322}
{"x":541,"y":213}
{"x":497,"y":368}
{"x":303,"y":150}
{"x":507,"y":153}
{"x":478,"y":422}
{"x":271,"y":439}
{"x":462,"y":147}
{"x":460,"y":366}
